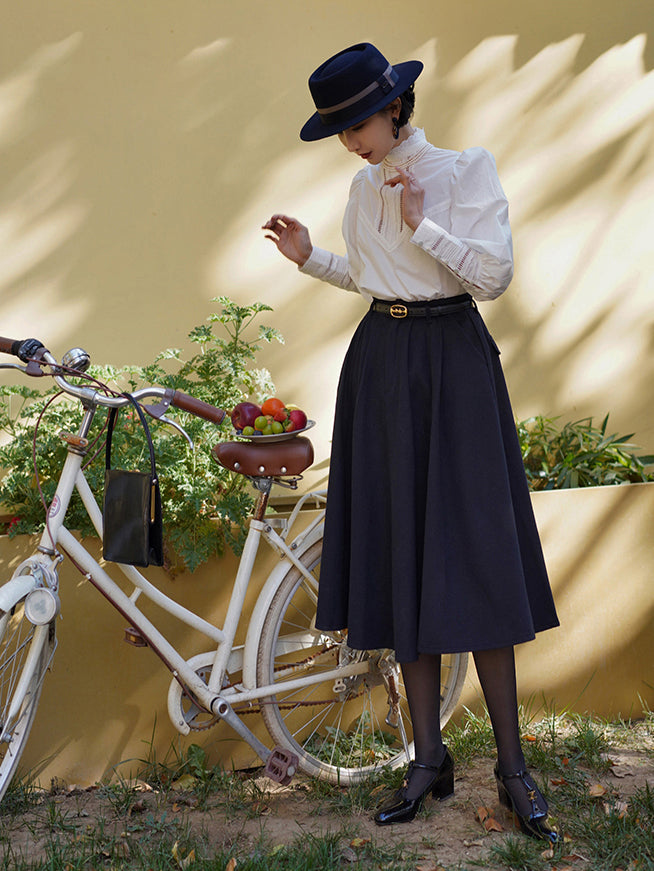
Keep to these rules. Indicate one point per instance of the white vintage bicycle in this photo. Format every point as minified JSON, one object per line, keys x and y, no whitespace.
{"x":331,"y":711}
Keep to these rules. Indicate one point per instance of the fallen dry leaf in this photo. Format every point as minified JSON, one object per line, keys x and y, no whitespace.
{"x":619,"y":808}
{"x":121,"y":849}
{"x":482,"y":813}
{"x":596,"y":790}
{"x":491,"y":825}
{"x":186,"y":781}
{"x":557,"y":781}
{"x":359,"y":842}
{"x":473,"y":843}
{"x":138,"y":807}
{"x":348,"y":855}
{"x":184,"y":862}
{"x":548,"y":854}
{"x":530,"y":738}
{"x":618,"y":770}
{"x":231,"y":865}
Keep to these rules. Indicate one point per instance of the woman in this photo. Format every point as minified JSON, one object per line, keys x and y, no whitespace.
{"x":430,"y":542}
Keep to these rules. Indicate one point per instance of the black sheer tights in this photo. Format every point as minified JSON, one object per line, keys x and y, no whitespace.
{"x":496,"y":672}
{"x":422,"y":682}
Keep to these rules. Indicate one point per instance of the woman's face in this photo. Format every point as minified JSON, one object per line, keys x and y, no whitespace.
{"x":372,"y":139}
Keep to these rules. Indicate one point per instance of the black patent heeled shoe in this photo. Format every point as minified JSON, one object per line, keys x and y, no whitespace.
{"x":533,"y":823}
{"x":401,"y":809}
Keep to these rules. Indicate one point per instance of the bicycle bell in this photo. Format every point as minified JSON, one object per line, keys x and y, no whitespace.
{"x":76,"y":358}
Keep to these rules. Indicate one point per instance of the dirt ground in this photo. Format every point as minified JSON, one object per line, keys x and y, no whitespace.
{"x":447,"y":835}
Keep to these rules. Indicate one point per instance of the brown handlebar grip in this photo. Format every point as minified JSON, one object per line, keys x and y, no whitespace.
{"x":6,"y":345}
{"x":197,"y":407}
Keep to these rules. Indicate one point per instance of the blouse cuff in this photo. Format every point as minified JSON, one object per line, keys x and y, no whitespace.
{"x":454,"y":254}
{"x":328,"y":267}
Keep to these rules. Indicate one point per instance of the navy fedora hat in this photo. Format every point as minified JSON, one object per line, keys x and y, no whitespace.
{"x":351,"y":86}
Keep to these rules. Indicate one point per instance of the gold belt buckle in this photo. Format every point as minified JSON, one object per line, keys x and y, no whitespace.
{"x":399,"y":311}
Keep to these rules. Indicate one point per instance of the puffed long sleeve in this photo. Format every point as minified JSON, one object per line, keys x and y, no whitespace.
{"x":478,"y":250}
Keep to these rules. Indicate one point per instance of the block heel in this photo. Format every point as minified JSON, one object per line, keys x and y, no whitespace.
{"x":401,"y":809}
{"x":535,"y":822}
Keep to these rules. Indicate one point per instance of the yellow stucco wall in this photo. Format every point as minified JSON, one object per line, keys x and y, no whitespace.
{"x":144,"y":143}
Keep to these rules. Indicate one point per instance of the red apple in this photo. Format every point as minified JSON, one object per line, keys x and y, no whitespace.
{"x":297,"y":419}
{"x":244,"y":414}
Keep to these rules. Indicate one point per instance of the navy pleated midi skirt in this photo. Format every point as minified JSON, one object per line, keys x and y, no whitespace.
{"x":430,"y":541}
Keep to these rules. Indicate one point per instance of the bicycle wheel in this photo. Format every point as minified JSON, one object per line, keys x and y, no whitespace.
{"x":25,"y":654}
{"x":346,"y":728}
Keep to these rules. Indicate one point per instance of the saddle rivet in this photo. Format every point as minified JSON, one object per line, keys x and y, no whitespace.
{"x":262,"y":468}
{"x":284,"y":470}
{"x":237,"y":466}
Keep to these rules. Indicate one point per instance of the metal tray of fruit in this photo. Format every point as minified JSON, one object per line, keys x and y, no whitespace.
{"x":275,"y":437}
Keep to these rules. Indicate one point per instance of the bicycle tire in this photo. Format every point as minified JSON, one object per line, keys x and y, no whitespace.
{"x":345,"y":737}
{"x":25,"y":654}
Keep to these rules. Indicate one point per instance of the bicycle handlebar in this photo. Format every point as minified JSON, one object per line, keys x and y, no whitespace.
{"x":28,"y":349}
{"x":197,"y":407}
{"x":25,"y":349}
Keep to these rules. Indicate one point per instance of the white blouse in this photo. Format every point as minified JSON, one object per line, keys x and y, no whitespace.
{"x":462,"y":244}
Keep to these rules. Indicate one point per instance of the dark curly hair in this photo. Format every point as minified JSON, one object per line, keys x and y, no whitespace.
{"x":408,"y":99}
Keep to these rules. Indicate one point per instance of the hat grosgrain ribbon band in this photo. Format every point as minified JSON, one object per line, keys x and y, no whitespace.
{"x":386,"y":82}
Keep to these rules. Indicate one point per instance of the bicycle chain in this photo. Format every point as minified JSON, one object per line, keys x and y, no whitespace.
{"x":247,"y":708}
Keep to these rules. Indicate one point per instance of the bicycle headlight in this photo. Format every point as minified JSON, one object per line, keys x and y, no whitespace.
{"x":41,"y":606}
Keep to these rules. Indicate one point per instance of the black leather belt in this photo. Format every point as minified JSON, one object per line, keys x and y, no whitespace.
{"x":399,"y":310}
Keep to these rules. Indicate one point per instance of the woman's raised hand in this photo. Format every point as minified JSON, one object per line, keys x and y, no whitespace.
{"x":291,"y":238}
{"x":413,"y":198}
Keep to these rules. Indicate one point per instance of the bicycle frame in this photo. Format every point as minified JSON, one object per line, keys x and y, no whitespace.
{"x":285,"y":664}
{"x":209,"y":696}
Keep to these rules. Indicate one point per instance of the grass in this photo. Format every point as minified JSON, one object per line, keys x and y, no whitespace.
{"x":183,"y":813}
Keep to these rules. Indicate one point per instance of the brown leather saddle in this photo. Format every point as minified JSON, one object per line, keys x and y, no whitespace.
{"x":287,"y":458}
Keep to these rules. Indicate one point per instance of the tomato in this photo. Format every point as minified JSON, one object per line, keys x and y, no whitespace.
{"x":270,"y":406}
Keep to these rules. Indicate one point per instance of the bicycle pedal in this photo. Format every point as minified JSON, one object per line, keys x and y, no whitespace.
{"x":281,"y":765}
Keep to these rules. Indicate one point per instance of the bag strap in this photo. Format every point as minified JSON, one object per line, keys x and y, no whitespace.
{"x":110,"y":429}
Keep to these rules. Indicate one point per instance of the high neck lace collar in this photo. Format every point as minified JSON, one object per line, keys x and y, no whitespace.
{"x":407,"y":151}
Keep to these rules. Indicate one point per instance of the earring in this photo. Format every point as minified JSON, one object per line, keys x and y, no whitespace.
{"x":396,"y":128}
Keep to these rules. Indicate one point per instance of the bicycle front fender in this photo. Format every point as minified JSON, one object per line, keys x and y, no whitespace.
{"x":16,"y":589}
{"x":262,"y":606}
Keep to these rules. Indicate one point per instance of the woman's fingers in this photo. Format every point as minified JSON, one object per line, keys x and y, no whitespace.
{"x":403,"y":178}
{"x":291,"y":237}
{"x":278,"y":220}
{"x":413,"y":197}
